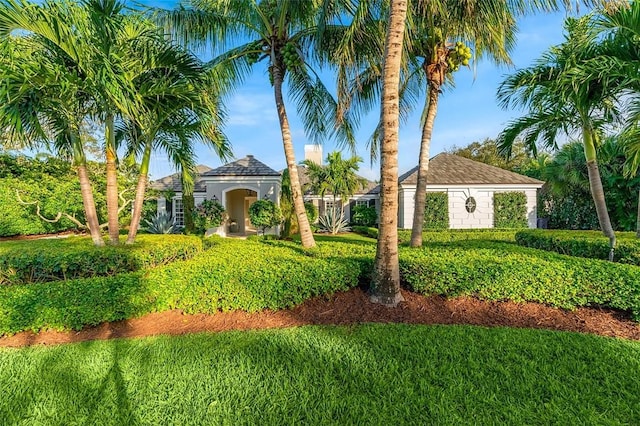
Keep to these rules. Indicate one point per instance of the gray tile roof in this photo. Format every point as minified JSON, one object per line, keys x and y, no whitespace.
{"x":247,"y":166}
{"x":172,"y":182}
{"x":449,"y":169}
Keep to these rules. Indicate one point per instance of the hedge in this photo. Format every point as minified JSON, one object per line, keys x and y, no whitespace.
{"x":450,"y":235}
{"x":436,"y":211}
{"x":501,"y":271}
{"x":231,"y":275}
{"x":510,"y":210}
{"x":590,"y":244}
{"x":45,"y":260}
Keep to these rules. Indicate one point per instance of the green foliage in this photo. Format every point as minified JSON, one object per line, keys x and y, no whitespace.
{"x":502,"y":271}
{"x":510,"y":210}
{"x":590,"y":244}
{"x":487,"y":152}
{"x":366,"y":231}
{"x":364,"y":216}
{"x":209,"y":214}
{"x":312,"y":211}
{"x":264,"y":214}
{"x":452,"y":235}
{"x":162,"y":223}
{"x":436,"y":211}
{"x":333,"y":221}
{"x":230,"y":275}
{"x":25,"y":262}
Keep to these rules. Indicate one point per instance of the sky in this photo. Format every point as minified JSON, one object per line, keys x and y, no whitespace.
{"x":467,"y":113}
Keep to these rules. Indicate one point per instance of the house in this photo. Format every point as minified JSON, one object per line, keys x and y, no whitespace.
{"x":470,"y":187}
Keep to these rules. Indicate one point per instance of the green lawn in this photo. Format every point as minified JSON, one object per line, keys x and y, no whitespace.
{"x":369,"y":374}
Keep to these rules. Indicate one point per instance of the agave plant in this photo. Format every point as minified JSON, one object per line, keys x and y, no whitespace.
{"x":162,"y":223}
{"x":333,"y":221}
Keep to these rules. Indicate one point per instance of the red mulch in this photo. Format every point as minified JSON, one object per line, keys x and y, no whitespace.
{"x":353,"y":307}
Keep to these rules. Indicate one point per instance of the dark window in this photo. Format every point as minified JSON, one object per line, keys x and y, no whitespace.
{"x":470,"y":204}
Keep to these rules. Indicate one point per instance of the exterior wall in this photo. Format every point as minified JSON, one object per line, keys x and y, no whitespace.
{"x":234,"y":201}
{"x":459,"y":218}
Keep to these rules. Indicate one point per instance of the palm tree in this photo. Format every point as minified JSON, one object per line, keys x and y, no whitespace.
{"x":562,"y":96}
{"x":385,"y":287}
{"x":44,"y":94}
{"x":180,"y":109}
{"x":287,"y":35}
{"x":338,"y":177}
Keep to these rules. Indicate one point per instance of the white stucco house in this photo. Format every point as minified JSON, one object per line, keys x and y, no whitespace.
{"x":470,"y":186}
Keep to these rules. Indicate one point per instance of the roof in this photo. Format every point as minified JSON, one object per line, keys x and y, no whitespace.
{"x":172,"y":182}
{"x":305,"y":183}
{"x":450,"y":169}
{"x":247,"y":166}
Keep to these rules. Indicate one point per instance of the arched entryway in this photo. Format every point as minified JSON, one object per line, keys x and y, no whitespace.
{"x":237,"y":202}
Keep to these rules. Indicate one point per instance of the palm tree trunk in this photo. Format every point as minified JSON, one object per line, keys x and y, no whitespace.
{"x":112,"y":181}
{"x":306,"y":236}
{"x":597,"y":192}
{"x":140,"y":189}
{"x":423,"y":167}
{"x":385,"y":288}
{"x":89,"y":204}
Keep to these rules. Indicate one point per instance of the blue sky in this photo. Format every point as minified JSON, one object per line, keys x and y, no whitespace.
{"x":467,"y":113}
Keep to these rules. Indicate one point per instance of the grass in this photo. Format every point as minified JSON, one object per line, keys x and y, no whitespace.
{"x":368,"y":374}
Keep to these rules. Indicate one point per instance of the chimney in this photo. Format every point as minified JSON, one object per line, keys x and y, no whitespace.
{"x":313,"y":153}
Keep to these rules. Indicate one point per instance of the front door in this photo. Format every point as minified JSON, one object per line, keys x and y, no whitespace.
{"x":248,"y":227}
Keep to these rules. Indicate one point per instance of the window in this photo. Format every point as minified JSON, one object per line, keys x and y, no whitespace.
{"x":363,"y":203}
{"x":178,"y":211}
{"x":328,"y":205}
{"x":470,"y":204}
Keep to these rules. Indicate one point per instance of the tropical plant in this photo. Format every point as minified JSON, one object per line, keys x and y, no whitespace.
{"x":162,"y":223}
{"x":288,"y":36}
{"x":333,"y":221}
{"x":364,"y":216}
{"x":563,"y":96}
{"x":208,"y":214}
{"x":264,"y":214}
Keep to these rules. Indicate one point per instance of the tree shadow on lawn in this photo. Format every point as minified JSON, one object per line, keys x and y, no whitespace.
{"x":375,"y":374}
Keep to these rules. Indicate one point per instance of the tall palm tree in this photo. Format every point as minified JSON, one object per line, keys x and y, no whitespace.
{"x":563,"y":96}
{"x":180,"y":109}
{"x":287,"y":36}
{"x":385,"y":286}
{"x":45,"y":97}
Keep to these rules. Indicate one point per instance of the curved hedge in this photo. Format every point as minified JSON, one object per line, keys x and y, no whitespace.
{"x":231,"y":275}
{"x":590,"y":244}
{"x":45,"y":260}
{"x":501,"y":271}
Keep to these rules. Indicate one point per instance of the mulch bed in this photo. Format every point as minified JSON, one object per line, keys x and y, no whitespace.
{"x":353,"y":307}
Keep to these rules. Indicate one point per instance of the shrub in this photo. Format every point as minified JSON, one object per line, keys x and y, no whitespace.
{"x":365,"y":216}
{"x":451,"y":235}
{"x":590,"y":244}
{"x":264,"y":214}
{"x":58,"y":259}
{"x":334,"y":222}
{"x":209,"y":214}
{"x":510,"y":210}
{"x":366,"y":231}
{"x":231,"y":275}
{"x":436,"y":211}
{"x":312,"y":211}
{"x":501,"y":271}
{"x":162,"y":223}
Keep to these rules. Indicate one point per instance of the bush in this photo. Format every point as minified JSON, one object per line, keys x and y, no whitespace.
{"x":312,"y":211}
{"x":231,"y":275}
{"x":590,"y":244}
{"x":264,"y":214}
{"x":501,"y":271}
{"x":436,"y":211}
{"x":23,"y":262}
{"x":209,"y":214}
{"x":367,"y":231}
{"x":451,"y":235}
{"x":510,"y":210}
{"x":365,"y":216}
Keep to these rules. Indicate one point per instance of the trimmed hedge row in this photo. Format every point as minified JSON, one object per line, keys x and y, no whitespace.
{"x":501,"y":271}
{"x":445,"y":236}
{"x":590,"y":244}
{"x":45,"y":260}
{"x":231,"y":275}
